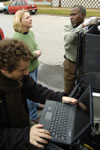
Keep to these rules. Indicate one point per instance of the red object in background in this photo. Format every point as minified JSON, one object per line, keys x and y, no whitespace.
{"x":1,"y":34}
{"x":22,"y":4}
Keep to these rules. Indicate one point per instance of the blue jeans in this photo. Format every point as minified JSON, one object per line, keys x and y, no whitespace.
{"x":32,"y":105}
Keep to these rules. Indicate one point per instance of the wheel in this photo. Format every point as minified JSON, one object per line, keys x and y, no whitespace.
{"x":34,"y":12}
{"x":30,"y":11}
{"x":5,"y":11}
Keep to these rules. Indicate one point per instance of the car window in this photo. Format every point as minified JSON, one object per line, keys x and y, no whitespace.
{"x":22,"y":3}
{"x":13,"y":3}
{"x":18,"y":3}
{"x":30,"y":2}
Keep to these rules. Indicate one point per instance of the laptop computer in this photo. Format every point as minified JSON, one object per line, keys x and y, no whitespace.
{"x":66,"y":127}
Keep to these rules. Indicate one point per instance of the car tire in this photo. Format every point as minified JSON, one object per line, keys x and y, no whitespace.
{"x":5,"y":11}
{"x":30,"y":11}
{"x":34,"y":12}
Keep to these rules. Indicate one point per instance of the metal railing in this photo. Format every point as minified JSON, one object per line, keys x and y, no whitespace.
{"x":70,"y":3}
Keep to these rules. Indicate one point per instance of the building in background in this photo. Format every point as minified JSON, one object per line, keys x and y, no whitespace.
{"x":43,"y":2}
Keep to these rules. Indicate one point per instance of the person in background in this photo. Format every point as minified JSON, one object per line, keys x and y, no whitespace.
{"x":15,"y":87}
{"x":1,"y":34}
{"x":22,"y":23}
{"x":71,"y":30}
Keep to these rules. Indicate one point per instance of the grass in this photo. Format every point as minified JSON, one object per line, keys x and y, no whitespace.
{"x":47,"y":9}
{"x":6,"y":3}
{"x":93,"y":13}
{"x":65,"y":11}
{"x":54,"y":11}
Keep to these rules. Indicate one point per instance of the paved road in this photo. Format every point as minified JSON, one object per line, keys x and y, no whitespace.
{"x":49,"y":35}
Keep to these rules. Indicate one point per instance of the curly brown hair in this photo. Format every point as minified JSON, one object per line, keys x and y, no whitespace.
{"x":11,"y":52}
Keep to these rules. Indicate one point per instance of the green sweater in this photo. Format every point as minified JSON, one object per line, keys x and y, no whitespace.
{"x":31,"y":43}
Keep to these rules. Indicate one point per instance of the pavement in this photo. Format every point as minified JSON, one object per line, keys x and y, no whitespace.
{"x":51,"y":43}
{"x":51,"y":76}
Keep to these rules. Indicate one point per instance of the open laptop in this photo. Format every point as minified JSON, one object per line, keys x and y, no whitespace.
{"x":66,"y":127}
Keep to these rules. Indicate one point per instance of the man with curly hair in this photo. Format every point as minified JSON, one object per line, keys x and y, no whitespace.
{"x":16,"y":86}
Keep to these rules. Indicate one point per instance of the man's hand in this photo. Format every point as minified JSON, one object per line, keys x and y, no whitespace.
{"x":69,"y":100}
{"x":90,"y":21}
{"x":39,"y":136}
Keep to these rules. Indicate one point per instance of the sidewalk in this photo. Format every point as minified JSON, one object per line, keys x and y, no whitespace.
{"x":51,"y":76}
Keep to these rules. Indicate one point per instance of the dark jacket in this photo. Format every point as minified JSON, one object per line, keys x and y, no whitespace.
{"x":17,"y":138}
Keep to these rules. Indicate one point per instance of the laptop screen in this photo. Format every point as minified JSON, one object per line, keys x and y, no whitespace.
{"x":83,"y":117}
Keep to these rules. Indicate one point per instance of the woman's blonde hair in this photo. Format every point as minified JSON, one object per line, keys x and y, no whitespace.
{"x":17,"y":20}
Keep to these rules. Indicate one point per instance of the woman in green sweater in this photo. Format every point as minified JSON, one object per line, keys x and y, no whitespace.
{"x":22,"y":24}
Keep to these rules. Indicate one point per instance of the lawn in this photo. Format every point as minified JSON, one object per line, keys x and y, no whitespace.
{"x":65,"y":11}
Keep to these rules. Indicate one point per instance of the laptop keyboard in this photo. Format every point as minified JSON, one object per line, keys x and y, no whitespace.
{"x":59,"y":126}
